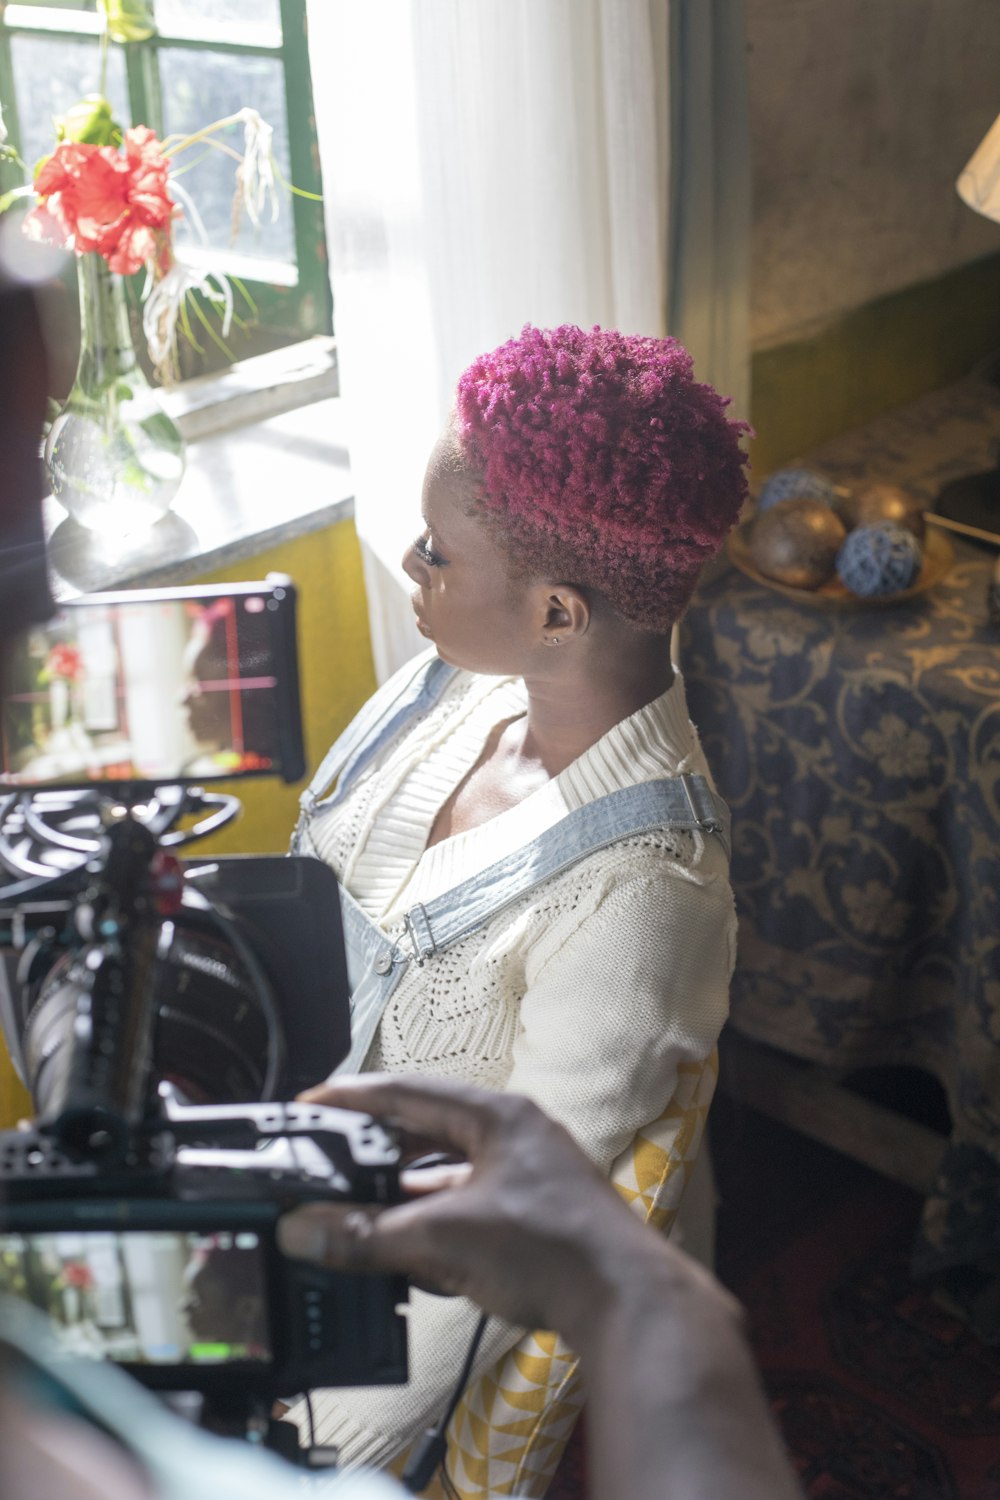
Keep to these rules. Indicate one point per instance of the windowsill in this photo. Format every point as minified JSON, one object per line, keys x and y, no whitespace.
{"x":267,"y":461}
{"x":264,"y":386}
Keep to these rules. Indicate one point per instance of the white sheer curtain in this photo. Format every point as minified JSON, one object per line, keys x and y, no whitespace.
{"x":710,"y":192}
{"x":486,"y":163}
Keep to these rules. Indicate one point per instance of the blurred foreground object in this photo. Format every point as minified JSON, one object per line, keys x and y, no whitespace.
{"x":24,"y":589}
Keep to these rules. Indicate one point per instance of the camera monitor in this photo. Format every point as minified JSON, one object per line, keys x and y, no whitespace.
{"x":158,"y":1297}
{"x":154,"y":687}
{"x":197,"y":1296}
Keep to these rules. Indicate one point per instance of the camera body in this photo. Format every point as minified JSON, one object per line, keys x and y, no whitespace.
{"x":266,"y":1326}
{"x":161,"y":1010}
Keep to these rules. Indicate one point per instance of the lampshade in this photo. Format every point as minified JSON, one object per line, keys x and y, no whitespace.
{"x":979,"y":181}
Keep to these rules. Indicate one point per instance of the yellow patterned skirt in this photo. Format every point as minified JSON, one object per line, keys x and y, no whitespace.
{"x":512,"y":1424}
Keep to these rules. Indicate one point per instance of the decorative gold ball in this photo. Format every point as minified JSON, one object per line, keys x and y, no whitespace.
{"x":796,"y":542}
{"x":878,"y":501}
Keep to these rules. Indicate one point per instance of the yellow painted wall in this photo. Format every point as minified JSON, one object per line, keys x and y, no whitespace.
{"x":336,"y":676}
{"x":879,"y":356}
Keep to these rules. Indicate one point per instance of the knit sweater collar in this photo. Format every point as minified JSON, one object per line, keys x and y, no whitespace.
{"x":657,"y":740}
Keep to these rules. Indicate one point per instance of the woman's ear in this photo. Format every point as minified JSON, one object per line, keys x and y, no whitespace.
{"x":566,"y":612}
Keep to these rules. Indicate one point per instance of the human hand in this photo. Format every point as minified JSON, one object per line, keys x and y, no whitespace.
{"x":528,"y":1229}
{"x":525,"y":1226}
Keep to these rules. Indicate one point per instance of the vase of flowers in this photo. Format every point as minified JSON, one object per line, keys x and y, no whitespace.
{"x":62,"y":668}
{"x":114,"y":456}
{"x":62,"y":673}
{"x":111,"y":196}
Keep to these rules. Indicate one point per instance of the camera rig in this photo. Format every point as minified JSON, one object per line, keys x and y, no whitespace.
{"x":160,"y":1010}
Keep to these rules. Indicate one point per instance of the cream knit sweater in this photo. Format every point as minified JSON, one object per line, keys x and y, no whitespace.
{"x":585,"y":994}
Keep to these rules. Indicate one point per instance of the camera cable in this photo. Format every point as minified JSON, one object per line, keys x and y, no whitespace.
{"x":430,"y":1452}
{"x":310,"y":1417}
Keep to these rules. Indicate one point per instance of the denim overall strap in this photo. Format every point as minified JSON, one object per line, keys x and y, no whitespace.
{"x":373,"y":971}
{"x":686,"y":802}
{"x":405,"y":696}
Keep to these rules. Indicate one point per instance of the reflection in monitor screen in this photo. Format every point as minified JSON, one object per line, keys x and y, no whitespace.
{"x":147,"y":1297}
{"x":161,"y":690}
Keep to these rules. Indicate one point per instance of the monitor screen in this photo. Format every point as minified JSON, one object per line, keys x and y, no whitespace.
{"x":150,"y":689}
{"x":146,"y":1296}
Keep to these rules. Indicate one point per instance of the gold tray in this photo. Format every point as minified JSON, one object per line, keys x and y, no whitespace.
{"x":938,"y":560}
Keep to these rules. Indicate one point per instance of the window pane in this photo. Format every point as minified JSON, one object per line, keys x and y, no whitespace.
{"x":255,"y":22}
{"x":199,"y":87}
{"x":51,"y":5}
{"x":50,"y":76}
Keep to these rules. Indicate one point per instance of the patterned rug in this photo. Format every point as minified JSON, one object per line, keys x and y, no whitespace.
{"x":880,"y":1389}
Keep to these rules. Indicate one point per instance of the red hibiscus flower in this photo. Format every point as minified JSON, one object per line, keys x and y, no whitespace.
{"x":77,"y":1273}
{"x":64,"y":661}
{"x":96,"y":198}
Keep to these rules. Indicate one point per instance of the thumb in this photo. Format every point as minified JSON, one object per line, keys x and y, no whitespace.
{"x":347,"y":1236}
{"x":366,"y":1238}
{"x":341,"y":1236}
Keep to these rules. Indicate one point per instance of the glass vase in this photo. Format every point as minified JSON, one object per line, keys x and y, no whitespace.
{"x":114,"y":456}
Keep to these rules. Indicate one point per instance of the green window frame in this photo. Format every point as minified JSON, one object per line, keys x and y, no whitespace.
{"x":296,"y":303}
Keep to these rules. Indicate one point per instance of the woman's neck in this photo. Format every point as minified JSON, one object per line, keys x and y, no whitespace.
{"x":571,"y":708}
{"x":571,"y":705}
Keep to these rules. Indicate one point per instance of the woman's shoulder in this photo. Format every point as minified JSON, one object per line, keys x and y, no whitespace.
{"x":637,"y":905}
{"x":681,"y":859}
{"x":663,"y":876}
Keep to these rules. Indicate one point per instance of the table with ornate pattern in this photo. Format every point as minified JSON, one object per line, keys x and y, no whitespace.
{"x":859,"y":750}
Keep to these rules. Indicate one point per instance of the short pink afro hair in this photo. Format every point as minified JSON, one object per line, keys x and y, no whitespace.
{"x":601,"y":461}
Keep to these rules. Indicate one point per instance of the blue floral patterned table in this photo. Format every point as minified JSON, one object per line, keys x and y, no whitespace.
{"x":859,"y":750}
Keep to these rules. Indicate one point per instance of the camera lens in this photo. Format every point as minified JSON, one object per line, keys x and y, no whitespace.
{"x":211,"y":1034}
{"x":210,"y":1039}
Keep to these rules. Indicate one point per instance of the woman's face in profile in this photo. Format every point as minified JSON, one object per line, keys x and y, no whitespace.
{"x":465,"y":599}
{"x":219,"y":1311}
{"x":207,"y":703}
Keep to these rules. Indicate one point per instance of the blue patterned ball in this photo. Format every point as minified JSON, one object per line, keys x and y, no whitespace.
{"x":879,"y":559}
{"x":795,"y":484}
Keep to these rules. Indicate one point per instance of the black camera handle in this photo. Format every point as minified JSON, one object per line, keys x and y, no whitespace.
{"x":207,"y":1142}
{"x":362,"y":1151}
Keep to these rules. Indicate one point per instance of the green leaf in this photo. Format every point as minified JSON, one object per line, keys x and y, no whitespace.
{"x":202,"y":317}
{"x":243,"y":290}
{"x":7,"y":199}
{"x":129,"y":20}
{"x":299,"y":192}
{"x":90,"y":121}
{"x":186,"y":328}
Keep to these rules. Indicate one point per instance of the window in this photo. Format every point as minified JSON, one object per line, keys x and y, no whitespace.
{"x":206,"y":59}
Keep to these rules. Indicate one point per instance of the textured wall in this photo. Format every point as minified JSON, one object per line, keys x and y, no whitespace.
{"x":863,"y":112}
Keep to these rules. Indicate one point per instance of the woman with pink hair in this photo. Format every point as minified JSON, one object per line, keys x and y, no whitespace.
{"x":533,"y":860}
